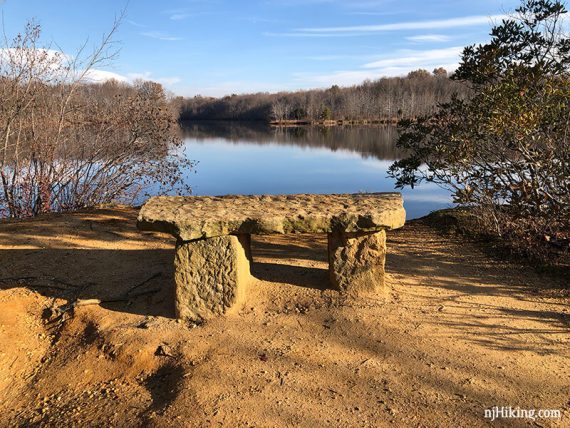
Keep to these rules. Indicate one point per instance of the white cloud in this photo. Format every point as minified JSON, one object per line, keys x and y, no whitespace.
{"x":403,"y":70}
{"x":409,"y":58}
{"x":179,"y":16}
{"x":60,"y":65}
{"x":340,"y":57}
{"x":317,"y":35}
{"x":135,"y":24}
{"x":399,"y":64}
{"x":466,"y":21}
{"x":383,"y":13}
{"x":160,"y":36}
{"x":429,"y":38}
{"x":61,"y":68}
{"x":99,"y":76}
{"x":197,"y":9}
{"x":297,"y":2}
{"x":355,"y":77}
{"x":373,"y":5}
{"x":24,"y":57}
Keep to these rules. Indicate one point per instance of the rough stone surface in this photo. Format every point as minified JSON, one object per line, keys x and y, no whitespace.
{"x":192,"y":217}
{"x":211,"y":276}
{"x":356,"y":261}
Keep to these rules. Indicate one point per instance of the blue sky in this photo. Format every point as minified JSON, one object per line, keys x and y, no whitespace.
{"x":218,"y":47}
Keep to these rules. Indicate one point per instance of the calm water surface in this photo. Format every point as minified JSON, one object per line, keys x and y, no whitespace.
{"x":257,"y":159}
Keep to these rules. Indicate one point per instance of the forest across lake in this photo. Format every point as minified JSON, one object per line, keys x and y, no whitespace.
{"x":386,"y":100}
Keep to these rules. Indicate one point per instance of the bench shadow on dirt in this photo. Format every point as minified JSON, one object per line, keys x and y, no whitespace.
{"x":136,"y":281}
{"x":101,"y":255}
{"x":285,"y":249}
{"x":48,"y":255}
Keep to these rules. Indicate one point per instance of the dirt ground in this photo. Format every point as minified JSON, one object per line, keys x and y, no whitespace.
{"x":456,"y":333}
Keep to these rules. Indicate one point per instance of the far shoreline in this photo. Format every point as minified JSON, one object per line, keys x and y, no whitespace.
{"x":299,"y":123}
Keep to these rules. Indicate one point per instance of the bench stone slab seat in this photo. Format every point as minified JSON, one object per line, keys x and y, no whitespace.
{"x":198,"y":217}
{"x":214,"y":233}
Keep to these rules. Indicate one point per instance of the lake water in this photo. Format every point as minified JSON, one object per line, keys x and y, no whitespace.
{"x":257,"y":159}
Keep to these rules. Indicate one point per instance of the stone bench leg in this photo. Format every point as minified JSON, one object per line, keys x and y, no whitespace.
{"x":356,"y":260}
{"x":211,"y":276}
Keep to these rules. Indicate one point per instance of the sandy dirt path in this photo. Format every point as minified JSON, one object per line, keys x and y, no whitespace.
{"x":456,"y":333}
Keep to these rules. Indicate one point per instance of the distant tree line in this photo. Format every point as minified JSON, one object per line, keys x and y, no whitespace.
{"x":385,"y":99}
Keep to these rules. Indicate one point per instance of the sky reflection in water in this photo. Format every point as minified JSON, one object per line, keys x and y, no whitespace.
{"x":271,"y":162}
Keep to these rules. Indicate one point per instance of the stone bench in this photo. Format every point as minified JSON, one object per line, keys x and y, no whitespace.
{"x":213,"y":235}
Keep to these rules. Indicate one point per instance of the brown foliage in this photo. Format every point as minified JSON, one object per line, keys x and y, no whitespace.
{"x":68,"y":143}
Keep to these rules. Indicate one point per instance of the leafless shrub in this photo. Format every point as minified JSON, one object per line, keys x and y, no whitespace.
{"x":67,"y":143}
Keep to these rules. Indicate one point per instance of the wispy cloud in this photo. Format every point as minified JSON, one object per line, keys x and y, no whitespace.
{"x":53,"y":59}
{"x":363,"y":30}
{"x":60,"y":61}
{"x":352,"y":4}
{"x":429,"y":38}
{"x":182,"y":15}
{"x":409,"y":58}
{"x":260,"y":20}
{"x":398,"y":64}
{"x":465,"y":21}
{"x":198,"y":8}
{"x":179,"y":16}
{"x":367,"y":4}
{"x":297,"y":2}
{"x":317,"y":35}
{"x":100,"y":76}
{"x":340,"y":57}
{"x":383,"y":13}
{"x":160,"y":36}
{"x":135,"y":24}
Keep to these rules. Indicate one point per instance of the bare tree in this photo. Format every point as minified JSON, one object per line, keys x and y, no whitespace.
{"x":68,"y":143}
{"x":280,"y":110}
